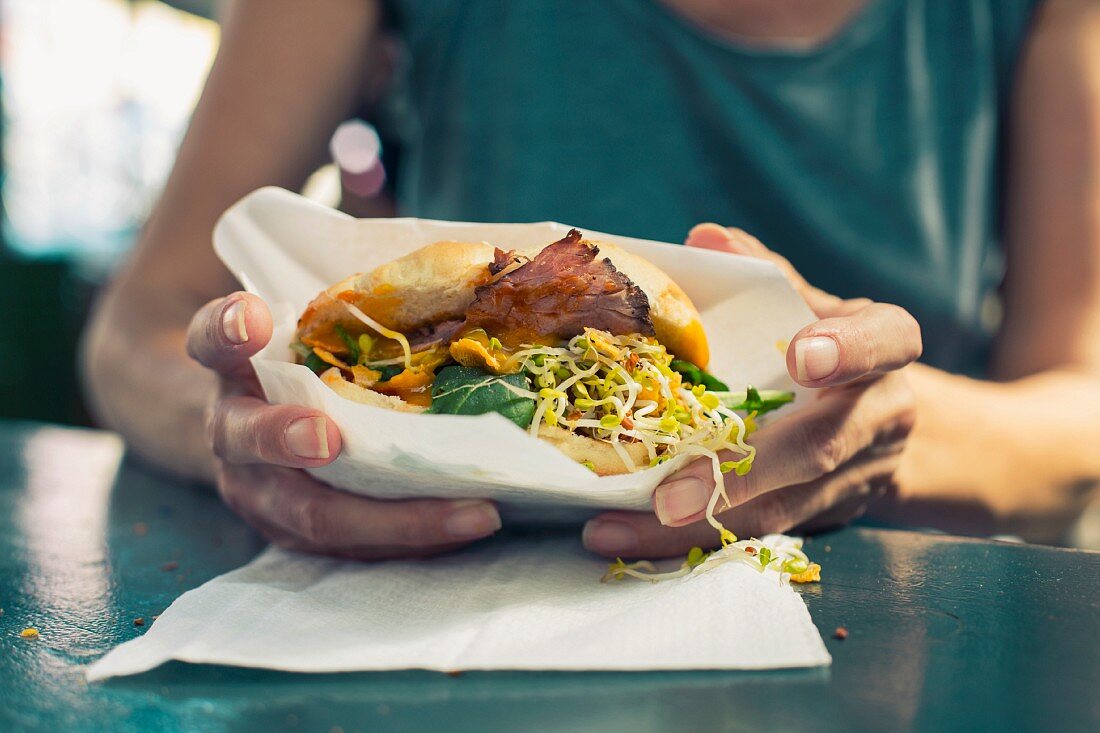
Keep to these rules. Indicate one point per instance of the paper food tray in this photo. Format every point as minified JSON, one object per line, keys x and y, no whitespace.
{"x":286,"y":249}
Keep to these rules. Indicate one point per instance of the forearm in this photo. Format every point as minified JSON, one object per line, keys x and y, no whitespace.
{"x":286,"y":74}
{"x":1017,"y":457}
{"x":141,"y":383}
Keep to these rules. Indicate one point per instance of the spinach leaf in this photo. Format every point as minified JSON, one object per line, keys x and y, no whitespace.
{"x":753,"y":400}
{"x":713,"y":383}
{"x":460,"y":390}
{"x":695,"y":375}
{"x":315,"y":363}
{"x":389,"y":371}
{"x":352,"y":344}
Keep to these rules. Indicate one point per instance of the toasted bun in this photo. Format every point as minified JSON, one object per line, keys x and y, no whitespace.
{"x":437,"y":282}
{"x":355,"y":393}
{"x":604,"y":458}
{"x":432,"y":284}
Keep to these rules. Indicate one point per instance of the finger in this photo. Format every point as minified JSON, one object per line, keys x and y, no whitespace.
{"x":832,"y":500}
{"x":849,"y":510}
{"x":304,"y":514}
{"x":641,"y":535}
{"x":227,"y":331}
{"x":875,"y":339}
{"x":796,"y":449}
{"x":737,"y":241}
{"x":249,"y":430}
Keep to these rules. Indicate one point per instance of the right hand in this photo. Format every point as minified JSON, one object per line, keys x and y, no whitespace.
{"x":261,"y":449}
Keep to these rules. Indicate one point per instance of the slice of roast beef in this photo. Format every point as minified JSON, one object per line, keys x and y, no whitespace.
{"x":505,"y":261}
{"x":437,"y":333}
{"x":563,"y":290}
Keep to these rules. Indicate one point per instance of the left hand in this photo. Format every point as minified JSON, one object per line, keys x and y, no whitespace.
{"x":816,"y":467}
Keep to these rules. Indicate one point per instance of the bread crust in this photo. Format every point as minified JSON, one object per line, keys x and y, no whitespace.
{"x":432,"y":284}
{"x":351,"y":391}
{"x":429,"y":285}
{"x":601,"y":454}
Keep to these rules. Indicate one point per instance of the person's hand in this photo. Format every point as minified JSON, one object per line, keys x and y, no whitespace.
{"x":262,"y":448}
{"x":817,"y":467}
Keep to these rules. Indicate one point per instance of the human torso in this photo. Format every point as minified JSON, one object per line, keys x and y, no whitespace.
{"x":864,"y":148}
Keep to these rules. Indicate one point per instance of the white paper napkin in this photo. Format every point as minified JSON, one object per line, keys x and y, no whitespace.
{"x":519,"y":604}
{"x":287,"y":249}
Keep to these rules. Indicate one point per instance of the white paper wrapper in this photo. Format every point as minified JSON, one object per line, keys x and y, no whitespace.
{"x":287,"y":249}
{"x":510,"y":604}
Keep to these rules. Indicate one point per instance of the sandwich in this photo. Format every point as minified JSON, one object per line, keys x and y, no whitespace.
{"x":586,"y":346}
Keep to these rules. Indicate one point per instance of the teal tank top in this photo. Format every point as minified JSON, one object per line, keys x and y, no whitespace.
{"x":871,"y":161}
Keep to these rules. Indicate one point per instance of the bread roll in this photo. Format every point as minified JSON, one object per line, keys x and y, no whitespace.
{"x":432,"y":284}
{"x":601,"y":454}
{"x":351,"y":391}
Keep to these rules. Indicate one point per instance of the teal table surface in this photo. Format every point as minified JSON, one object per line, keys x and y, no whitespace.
{"x":943,"y":633}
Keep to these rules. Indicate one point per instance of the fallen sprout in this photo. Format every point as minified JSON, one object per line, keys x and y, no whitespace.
{"x":774,"y":553}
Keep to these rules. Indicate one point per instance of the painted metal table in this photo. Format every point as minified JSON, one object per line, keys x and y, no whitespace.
{"x":943,"y":633}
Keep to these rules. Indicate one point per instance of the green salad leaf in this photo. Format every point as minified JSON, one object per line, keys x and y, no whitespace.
{"x":389,"y":371}
{"x":696,"y":375}
{"x":316,"y":363}
{"x":352,"y":344}
{"x":754,"y":400}
{"x":460,"y":390}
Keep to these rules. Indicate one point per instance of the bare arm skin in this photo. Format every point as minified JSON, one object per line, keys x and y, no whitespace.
{"x":166,"y":357}
{"x":1021,"y":454}
{"x":286,"y":74}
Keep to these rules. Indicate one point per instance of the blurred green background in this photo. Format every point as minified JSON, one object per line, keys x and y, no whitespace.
{"x":95,"y":96}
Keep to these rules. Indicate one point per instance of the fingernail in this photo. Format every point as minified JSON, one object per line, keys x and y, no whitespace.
{"x":815,"y":358}
{"x":609,"y":538}
{"x":472,"y":519}
{"x":680,"y":499}
{"x":308,"y":437}
{"x":233,"y":323}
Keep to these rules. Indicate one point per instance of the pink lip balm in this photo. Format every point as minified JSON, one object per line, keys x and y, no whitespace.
{"x":357,"y":151}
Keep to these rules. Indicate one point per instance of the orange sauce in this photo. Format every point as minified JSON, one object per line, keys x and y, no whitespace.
{"x":693,"y":345}
{"x":329,"y":342}
{"x":414,"y":385}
